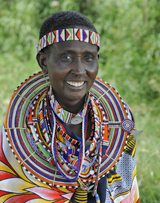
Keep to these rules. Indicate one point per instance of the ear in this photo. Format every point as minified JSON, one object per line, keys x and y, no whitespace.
{"x":42,"y":60}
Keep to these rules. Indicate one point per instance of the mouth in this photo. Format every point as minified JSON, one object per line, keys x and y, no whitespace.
{"x":75,"y":84}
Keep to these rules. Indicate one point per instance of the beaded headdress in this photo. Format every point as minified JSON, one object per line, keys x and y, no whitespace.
{"x":69,"y":34}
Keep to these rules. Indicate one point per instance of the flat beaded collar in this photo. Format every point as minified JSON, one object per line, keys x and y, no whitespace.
{"x":23,"y":120}
{"x":64,"y":115}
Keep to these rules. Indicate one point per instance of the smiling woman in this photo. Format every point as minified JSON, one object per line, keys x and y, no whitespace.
{"x":68,"y":136}
{"x":72,"y":67}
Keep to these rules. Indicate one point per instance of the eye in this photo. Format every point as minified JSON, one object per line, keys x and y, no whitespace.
{"x":66,"y":58}
{"x":88,"y":57}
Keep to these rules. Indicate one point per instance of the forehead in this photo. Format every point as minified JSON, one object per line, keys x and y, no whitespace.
{"x":74,"y":46}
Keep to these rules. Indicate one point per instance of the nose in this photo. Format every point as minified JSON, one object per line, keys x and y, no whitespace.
{"x":78,"y":65}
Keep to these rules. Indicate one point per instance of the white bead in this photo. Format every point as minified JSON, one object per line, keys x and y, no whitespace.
{"x":91,"y":172}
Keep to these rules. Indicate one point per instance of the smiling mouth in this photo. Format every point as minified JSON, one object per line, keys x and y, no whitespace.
{"x":75,"y":84}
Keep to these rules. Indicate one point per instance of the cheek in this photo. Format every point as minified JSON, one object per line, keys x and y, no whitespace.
{"x":52,"y":77}
{"x":56,"y":78}
{"x":93,"y":71}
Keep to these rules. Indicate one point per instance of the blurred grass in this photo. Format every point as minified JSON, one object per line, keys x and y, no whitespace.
{"x":148,"y":150}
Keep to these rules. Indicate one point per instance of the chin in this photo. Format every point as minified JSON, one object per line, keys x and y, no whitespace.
{"x":75,"y":98}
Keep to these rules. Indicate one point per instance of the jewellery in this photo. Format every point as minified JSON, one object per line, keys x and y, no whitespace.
{"x":29,"y":129}
{"x":76,"y":120}
{"x":69,"y":34}
{"x":63,"y":150}
{"x":64,"y":115}
{"x":127,"y":125}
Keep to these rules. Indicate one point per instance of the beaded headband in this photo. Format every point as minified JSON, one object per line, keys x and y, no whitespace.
{"x":69,"y":34}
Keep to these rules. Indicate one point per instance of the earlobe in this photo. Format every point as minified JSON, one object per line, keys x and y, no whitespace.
{"x":41,"y":59}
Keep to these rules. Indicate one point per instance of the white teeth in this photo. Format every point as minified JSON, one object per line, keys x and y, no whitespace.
{"x":75,"y":84}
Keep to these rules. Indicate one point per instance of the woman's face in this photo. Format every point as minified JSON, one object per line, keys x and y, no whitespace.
{"x":72,"y":68}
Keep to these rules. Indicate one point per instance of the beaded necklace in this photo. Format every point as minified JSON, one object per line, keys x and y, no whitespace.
{"x":69,"y":171}
{"x":30,"y":123}
{"x":88,"y":158}
{"x":66,"y":116}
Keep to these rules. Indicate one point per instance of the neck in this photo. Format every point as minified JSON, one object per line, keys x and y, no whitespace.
{"x":72,"y":106}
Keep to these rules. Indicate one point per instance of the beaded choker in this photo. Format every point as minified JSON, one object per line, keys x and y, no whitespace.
{"x":66,"y":116}
{"x":69,"y":34}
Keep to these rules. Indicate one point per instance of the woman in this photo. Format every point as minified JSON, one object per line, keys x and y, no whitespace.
{"x":68,"y":136}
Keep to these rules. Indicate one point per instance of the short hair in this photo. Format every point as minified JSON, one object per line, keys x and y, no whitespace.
{"x":63,"y":20}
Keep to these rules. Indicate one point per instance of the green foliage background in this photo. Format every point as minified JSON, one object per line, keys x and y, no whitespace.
{"x":129,"y":60}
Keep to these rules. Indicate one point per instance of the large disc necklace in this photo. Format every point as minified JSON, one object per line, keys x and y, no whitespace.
{"x":22,"y":128}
